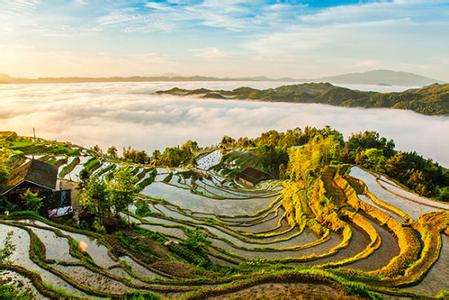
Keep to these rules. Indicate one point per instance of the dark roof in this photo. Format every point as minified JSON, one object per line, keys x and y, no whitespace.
{"x":34,"y":171}
{"x":253,"y":175}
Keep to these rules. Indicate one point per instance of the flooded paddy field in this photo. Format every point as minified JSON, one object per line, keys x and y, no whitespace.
{"x":244,"y":226}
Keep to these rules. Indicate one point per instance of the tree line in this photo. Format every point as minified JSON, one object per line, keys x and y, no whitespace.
{"x":270,"y":154}
{"x":170,"y":156}
{"x":367,"y":149}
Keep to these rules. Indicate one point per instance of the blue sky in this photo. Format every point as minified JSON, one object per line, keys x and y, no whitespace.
{"x":296,"y":38}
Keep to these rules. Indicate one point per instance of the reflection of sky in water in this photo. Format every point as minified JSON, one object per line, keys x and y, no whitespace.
{"x":125,"y":114}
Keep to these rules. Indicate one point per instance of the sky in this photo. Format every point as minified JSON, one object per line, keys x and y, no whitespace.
{"x":225,"y":38}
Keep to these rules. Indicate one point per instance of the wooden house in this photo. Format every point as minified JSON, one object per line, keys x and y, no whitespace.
{"x":251,"y":176}
{"x":39,"y":177}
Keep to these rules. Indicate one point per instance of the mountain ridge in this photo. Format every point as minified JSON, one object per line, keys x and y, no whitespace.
{"x":429,"y":100}
{"x":376,"y":77}
{"x":387,"y":77}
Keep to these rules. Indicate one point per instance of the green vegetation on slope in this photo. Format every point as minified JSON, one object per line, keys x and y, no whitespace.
{"x":198,"y":255}
{"x":12,"y":292}
{"x":269,"y":153}
{"x":429,"y":100}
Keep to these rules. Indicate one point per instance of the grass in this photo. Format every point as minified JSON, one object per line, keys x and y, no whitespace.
{"x":13,"y":292}
{"x":63,"y":293}
{"x":91,"y":165}
{"x":28,"y":146}
{"x":69,"y":168}
{"x":135,"y":244}
{"x":140,"y":296}
{"x":147,"y":181}
{"x":107,"y":169}
{"x":168,"y":178}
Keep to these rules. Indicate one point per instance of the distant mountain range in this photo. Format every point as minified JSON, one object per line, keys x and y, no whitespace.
{"x":381,"y":77}
{"x":376,"y":77}
{"x":430,"y":100}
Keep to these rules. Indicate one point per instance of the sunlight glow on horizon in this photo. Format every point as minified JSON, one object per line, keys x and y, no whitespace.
{"x":232,"y":38}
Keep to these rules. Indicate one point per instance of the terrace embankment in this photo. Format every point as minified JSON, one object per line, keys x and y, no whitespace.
{"x":342,"y":234}
{"x":287,"y":291}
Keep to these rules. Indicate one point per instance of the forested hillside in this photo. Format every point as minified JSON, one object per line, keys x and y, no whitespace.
{"x":429,"y":100}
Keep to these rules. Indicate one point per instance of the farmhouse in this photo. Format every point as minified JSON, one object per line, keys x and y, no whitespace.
{"x":39,"y":177}
{"x":251,"y":176}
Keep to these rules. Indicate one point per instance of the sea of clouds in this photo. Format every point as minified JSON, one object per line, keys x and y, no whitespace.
{"x":131,"y":114}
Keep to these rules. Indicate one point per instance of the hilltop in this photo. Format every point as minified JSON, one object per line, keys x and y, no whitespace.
{"x":429,"y":100}
{"x":381,"y":77}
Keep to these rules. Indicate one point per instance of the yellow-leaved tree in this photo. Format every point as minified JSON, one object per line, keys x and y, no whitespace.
{"x":305,"y":163}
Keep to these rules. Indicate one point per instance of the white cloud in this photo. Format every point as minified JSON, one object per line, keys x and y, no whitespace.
{"x":81,"y":2}
{"x":232,"y":15}
{"x":118,"y":17}
{"x":236,"y":37}
{"x":210,"y":53}
{"x":378,"y":10}
{"x":219,"y":14}
{"x":157,"y":6}
{"x":23,"y":5}
{"x":129,"y":20}
{"x":393,"y":35}
{"x":130,"y":114}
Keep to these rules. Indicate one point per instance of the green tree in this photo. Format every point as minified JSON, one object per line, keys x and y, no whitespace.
{"x":372,"y":158}
{"x":122,"y":189}
{"x":190,"y":146}
{"x":305,"y":163}
{"x":271,"y":158}
{"x":97,"y":149}
{"x":4,"y":168}
{"x":135,"y":156}
{"x":84,"y":177}
{"x":32,"y":201}
{"x":156,"y":155}
{"x":112,"y":152}
{"x":227,"y":141}
{"x":418,"y":182}
{"x":419,"y":174}
{"x":442,"y":193}
{"x":368,"y":140}
{"x":396,"y":166}
{"x":4,"y":175}
{"x":93,"y":196}
{"x":244,"y":142}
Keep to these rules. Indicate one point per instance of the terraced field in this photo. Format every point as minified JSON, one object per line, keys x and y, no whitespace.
{"x":374,"y":239}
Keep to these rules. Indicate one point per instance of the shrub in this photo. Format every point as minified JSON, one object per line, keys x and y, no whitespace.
{"x":12,"y":292}
{"x":31,"y":200}
{"x":8,"y":248}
